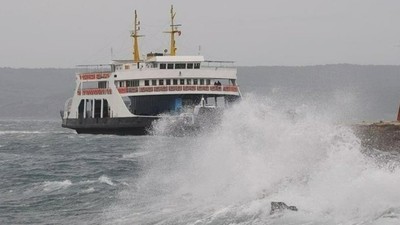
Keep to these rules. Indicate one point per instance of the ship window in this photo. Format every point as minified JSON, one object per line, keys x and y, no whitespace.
{"x":188,"y":81}
{"x":190,"y":65}
{"x":105,"y":109}
{"x":168,"y":81}
{"x":161,"y":82}
{"x":170,"y":66}
{"x":197,"y":65}
{"x":163,"y":66}
{"x":154,"y":82}
{"x":175,"y":81}
{"x":195,"y":81}
{"x":208,"y":81}
{"x":146,"y":82}
{"x":122,"y":84}
{"x":180,"y":66}
{"x":182,"y":81}
{"x":132,"y":83}
{"x":127,"y":67}
{"x":201,"y":81}
{"x":102,"y":84}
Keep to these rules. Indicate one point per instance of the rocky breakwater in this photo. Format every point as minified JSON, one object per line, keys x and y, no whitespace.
{"x":382,"y":135}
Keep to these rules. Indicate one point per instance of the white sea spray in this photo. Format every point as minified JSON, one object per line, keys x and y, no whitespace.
{"x":261,"y":153}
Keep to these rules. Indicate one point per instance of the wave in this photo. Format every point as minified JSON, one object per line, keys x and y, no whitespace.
{"x":22,"y":132}
{"x":262,"y":152}
{"x":135,"y":155}
{"x":32,"y":132}
{"x":89,"y":190}
{"x":106,"y":180}
{"x":49,"y":186}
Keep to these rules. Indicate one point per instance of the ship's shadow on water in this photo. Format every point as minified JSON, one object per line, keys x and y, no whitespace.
{"x":258,"y":154}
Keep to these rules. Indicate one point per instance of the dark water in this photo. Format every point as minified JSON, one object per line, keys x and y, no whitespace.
{"x":52,"y":175}
{"x":229,"y":175}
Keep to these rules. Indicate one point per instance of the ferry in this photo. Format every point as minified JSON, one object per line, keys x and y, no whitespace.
{"x":127,"y":96}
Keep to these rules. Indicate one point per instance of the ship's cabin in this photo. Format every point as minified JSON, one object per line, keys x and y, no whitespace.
{"x":157,"y":61}
{"x":165,"y":84}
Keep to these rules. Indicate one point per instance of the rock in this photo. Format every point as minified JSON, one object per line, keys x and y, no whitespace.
{"x":281,"y":206}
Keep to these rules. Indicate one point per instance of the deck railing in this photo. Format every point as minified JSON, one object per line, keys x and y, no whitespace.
{"x":173,"y":88}
{"x":147,"y":89}
{"x":95,"y":91}
{"x":94,"y":76}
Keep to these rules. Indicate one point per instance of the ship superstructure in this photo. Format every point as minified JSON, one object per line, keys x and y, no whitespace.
{"x":126,"y":96}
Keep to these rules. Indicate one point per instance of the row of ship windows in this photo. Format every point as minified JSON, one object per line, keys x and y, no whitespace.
{"x":171,"y":66}
{"x":163,"y":66}
{"x":135,"y":83}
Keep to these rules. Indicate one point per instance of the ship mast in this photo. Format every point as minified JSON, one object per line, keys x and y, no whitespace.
{"x":172,"y":32}
{"x":135,"y":35}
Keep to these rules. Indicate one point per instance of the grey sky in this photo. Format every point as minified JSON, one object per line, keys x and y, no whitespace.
{"x":64,"y":33}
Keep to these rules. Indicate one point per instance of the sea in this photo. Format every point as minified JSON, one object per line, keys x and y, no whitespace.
{"x":289,"y":140}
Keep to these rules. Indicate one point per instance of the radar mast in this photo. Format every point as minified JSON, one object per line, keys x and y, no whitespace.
{"x":135,"y":35}
{"x":174,"y":30}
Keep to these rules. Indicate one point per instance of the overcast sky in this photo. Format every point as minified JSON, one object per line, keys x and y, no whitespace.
{"x":65,"y":33}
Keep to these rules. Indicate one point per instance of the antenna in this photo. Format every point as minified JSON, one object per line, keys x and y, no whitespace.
{"x":398,"y":115}
{"x":174,"y":30}
{"x":111,"y":54}
{"x":135,"y":35}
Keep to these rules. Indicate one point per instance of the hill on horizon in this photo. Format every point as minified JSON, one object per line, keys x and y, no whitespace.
{"x":41,"y":93}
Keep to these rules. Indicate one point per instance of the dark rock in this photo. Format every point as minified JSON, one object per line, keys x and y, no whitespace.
{"x":280,"y":207}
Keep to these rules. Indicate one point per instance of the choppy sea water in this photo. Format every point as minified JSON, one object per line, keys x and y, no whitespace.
{"x":260,"y":152}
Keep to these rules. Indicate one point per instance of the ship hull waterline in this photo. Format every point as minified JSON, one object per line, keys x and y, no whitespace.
{"x":129,"y":126}
{"x":119,"y":126}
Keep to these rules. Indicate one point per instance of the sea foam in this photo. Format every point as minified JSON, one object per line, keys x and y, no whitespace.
{"x":56,"y":185}
{"x":106,"y":180}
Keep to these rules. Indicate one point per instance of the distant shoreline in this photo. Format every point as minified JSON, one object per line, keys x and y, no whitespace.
{"x":241,"y":66}
{"x":359,"y":92}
